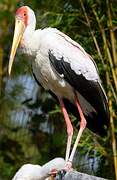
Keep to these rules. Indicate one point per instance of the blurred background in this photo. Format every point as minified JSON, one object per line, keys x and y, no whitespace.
{"x":32,"y":128}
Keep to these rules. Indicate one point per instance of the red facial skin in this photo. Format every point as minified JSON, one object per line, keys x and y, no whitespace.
{"x":22,"y":13}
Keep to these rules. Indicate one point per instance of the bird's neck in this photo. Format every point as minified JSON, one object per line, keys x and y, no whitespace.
{"x":27,"y":35}
{"x":30,"y":40}
{"x":29,"y":31}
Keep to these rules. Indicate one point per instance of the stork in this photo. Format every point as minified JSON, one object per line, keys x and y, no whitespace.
{"x":65,"y":69}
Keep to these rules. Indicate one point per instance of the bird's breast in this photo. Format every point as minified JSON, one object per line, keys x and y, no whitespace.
{"x":50,"y":79}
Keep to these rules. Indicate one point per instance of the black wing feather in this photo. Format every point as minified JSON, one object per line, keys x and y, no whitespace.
{"x":90,"y":90}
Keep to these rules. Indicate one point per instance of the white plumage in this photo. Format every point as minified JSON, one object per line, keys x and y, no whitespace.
{"x":37,"y":172}
{"x":51,"y":39}
{"x":61,"y":46}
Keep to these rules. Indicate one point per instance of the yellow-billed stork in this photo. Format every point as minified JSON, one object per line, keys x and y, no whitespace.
{"x":63,"y":67}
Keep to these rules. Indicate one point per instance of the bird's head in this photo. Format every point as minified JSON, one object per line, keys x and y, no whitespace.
{"x":24,"y":17}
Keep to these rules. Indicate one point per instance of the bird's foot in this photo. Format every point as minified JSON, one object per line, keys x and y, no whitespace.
{"x":53,"y":172}
{"x":68,"y":166}
{"x":60,"y":175}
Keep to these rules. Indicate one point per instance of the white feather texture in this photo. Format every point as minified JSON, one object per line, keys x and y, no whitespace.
{"x":36,"y":172}
{"x":63,"y":46}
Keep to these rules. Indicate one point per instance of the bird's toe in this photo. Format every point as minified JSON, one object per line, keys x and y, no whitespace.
{"x":60,"y":175}
{"x":68,"y":166}
{"x":53,"y":172}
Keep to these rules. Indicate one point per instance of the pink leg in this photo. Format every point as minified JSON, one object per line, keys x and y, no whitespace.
{"x":69,"y":128}
{"x":82,"y":127}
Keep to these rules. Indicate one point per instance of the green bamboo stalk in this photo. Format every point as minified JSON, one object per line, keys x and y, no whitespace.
{"x":111,"y":90}
{"x":112,"y":37}
{"x":1,"y":69}
{"x":114,"y":145}
{"x":109,"y":93}
{"x":98,"y":50}
{"x":92,"y":33}
{"x":106,"y":48}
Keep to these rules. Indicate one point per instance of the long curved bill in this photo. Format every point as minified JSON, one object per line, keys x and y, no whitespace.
{"x":18,"y":33}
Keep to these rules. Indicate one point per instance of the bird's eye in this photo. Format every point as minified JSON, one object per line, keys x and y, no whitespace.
{"x":24,"y":14}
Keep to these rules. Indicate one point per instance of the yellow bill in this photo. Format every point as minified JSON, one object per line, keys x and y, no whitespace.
{"x":18,"y":33}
